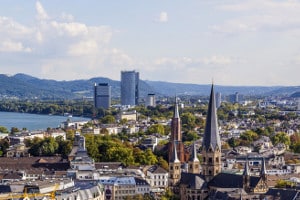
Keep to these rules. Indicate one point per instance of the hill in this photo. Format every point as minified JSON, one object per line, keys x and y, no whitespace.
{"x":27,"y":87}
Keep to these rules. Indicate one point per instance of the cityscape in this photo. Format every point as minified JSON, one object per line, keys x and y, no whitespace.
{"x":154,"y":147}
{"x":160,"y":100}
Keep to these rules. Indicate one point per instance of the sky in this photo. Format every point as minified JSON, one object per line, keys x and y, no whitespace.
{"x":232,"y":42}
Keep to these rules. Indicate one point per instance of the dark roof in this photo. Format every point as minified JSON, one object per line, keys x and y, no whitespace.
{"x":139,"y":181}
{"x":26,"y":163}
{"x":5,"y":189}
{"x":225,"y":180}
{"x":211,"y":135}
{"x":193,"y":181}
{"x":286,"y":194}
{"x":157,"y":170}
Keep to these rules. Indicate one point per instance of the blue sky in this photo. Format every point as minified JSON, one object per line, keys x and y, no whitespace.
{"x":233,"y":42}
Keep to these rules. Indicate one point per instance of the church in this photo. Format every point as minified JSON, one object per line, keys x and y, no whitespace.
{"x":192,"y":180}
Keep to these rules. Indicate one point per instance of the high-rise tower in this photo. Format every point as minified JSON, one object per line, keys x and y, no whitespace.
{"x":129,"y":88}
{"x":102,"y":95}
{"x":176,"y":136}
{"x":211,"y":144}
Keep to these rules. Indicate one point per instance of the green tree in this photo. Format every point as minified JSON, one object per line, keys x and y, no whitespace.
{"x":188,"y":121}
{"x":281,"y":137}
{"x":108,"y":119}
{"x":163,"y":163}
{"x":3,"y":129}
{"x":156,"y":128}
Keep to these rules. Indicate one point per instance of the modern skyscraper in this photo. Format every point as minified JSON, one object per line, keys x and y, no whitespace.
{"x":129,"y":88}
{"x":151,"y":100}
{"x":102,"y":95}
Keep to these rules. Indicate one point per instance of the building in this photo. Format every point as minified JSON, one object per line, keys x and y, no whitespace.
{"x":151,"y":100}
{"x":129,"y":88}
{"x":102,"y":95}
{"x":176,"y":136}
{"x":211,"y":182}
{"x":211,"y":144}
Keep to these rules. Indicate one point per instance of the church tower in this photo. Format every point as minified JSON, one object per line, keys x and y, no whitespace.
{"x":194,"y":163}
{"x":246,"y":177}
{"x":211,"y":144}
{"x":176,"y":136}
{"x":174,"y":168}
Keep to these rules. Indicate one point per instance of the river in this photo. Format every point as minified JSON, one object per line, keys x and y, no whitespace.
{"x":33,"y":121}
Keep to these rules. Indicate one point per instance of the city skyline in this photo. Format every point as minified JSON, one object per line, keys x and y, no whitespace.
{"x":234,"y":42}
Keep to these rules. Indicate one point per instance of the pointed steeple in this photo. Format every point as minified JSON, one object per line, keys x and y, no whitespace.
{"x":246,"y":169}
{"x":263,"y":171}
{"x":211,"y":135}
{"x":174,"y":158}
{"x":176,"y":112}
{"x":194,"y":157}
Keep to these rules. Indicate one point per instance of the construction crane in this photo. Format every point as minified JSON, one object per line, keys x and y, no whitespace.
{"x":28,"y":196}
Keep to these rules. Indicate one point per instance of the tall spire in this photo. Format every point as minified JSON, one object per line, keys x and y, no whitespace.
{"x":263,"y":171}
{"x":246,"y":169}
{"x":194,"y":157}
{"x":211,"y":135}
{"x":174,"y":158}
{"x":176,"y":112}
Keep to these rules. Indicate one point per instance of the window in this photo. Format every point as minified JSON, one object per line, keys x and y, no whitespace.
{"x":203,"y":159}
{"x":209,"y":172}
{"x":217,"y":159}
{"x":209,"y":160}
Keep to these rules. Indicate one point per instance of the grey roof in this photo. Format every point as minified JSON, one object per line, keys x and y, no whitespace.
{"x":194,"y":157}
{"x":225,"y":180}
{"x":211,"y":135}
{"x":193,"y":181}
{"x":286,"y":194}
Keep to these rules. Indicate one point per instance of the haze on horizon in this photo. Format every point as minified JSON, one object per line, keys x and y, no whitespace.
{"x":250,"y":42}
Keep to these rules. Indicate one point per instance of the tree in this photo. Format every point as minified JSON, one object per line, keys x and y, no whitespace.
{"x":156,"y":128}
{"x":281,"y":137}
{"x":14,"y":130}
{"x":108,"y":119}
{"x":163,"y":163}
{"x":190,"y":136}
{"x":188,"y":121}
{"x":3,"y":129}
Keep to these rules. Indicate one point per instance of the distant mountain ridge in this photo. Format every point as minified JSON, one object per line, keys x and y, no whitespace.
{"x":28,"y":87}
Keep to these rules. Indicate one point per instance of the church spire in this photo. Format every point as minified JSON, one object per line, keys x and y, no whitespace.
{"x":211,"y":135}
{"x":246,"y":169}
{"x":194,"y":157}
{"x":211,"y":143}
{"x":263,"y":171}
{"x":174,"y":158}
{"x":176,"y":112}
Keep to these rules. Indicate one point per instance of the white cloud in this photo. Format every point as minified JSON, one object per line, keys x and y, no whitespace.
{"x":163,"y":17}
{"x":41,"y":13}
{"x":256,"y":15}
{"x":10,"y":46}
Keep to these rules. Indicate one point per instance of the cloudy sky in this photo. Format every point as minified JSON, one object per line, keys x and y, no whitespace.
{"x":233,"y":42}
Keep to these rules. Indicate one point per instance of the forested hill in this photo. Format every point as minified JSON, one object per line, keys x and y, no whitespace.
{"x":27,"y":87}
